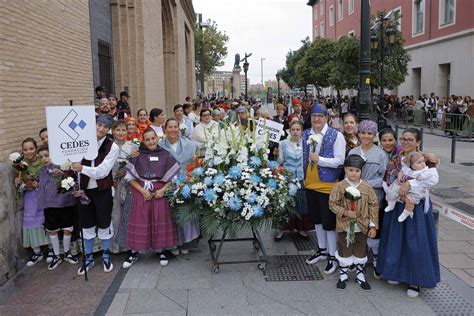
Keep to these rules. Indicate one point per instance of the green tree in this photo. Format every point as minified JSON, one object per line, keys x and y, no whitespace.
{"x":215,"y":49}
{"x":288,"y":74}
{"x":396,"y":60}
{"x":317,"y":63}
{"x":345,"y":67}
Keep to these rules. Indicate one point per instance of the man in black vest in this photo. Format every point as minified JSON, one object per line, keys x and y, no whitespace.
{"x":96,"y":181}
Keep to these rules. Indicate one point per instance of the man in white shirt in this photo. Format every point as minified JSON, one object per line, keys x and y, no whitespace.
{"x":96,"y":181}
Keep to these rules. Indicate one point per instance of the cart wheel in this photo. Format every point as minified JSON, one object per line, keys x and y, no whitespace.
{"x":256,"y":245}
{"x":261,"y":266}
{"x":213,"y":246}
{"x":215,"y":269}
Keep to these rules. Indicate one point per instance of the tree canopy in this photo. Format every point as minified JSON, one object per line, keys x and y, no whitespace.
{"x":215,"y":49}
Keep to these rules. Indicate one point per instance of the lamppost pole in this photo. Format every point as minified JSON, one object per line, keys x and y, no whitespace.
{"x":246,"y":68}
{"x":382,"y":54}
{"x":278,"y":85}
{"x":232,"y":87}
{"x":365,"y":101}
{"x":201,"y":53}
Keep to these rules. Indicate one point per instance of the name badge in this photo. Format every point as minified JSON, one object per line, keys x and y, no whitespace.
{"x":154,"y":159}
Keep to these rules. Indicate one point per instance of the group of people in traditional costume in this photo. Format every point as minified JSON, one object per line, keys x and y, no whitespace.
{"x":123,"y":202}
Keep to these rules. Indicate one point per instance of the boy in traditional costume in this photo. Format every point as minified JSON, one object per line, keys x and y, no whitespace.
{"x":355,"y":204}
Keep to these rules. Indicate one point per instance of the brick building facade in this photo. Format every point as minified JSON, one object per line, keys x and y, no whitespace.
{"x":439,"y":36}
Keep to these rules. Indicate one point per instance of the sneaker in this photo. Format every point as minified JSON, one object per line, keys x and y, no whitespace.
{"x":163,"y":260}
{"x":184,"y":251}
{"x":50,"y":255}
{"x":132,"y":258}
{"x":89,"y":265}
{"x":413,"y":291}
{"x":393,"y":282}
{"x":175,"y":252}
{"x":331,"y":267}
{"x":54,"y":263}
{"x":320,"y":255}
{"x":35,"y":258}
{"x":106,"y":262}
{"x":341,"y":285}
{"x":70,"y":258}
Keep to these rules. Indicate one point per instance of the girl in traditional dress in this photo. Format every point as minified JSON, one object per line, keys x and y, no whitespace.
{"x":122,"y":196}
{"x":408,"y":251}
{"x":34,"y":234}
{"x":151,"y":225}
{"x":183,"y":150}
{"x":133,"y":133}
{"x":290,"y":155}
{"x":350,"y":135}
{"x":373,"y":172}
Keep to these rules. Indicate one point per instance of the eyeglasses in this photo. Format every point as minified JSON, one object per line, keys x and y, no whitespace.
{"x":406,"y":140}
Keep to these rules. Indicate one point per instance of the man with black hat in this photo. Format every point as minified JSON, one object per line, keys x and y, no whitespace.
{"x":355,"y":205}
{"x":123,"y":109}
{"x":97,"y":181}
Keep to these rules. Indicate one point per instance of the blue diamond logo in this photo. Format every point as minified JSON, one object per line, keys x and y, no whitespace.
{"x":82,"y":124}
{"x":72,"y":125}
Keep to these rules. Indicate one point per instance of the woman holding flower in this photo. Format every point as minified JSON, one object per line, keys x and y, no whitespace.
{"x":185,"y":124}
{"x":408,"y":251}
{"x":122,"y":197}
{"x":206,"y":130}
{"x":183,"y":150}
{"x":34,"y":235}
{"x":323,"y":156}
{"x":373,"y":173}
{"x":291,"y":157}
{"x":151,"y":225}
{"x":354,"y":203}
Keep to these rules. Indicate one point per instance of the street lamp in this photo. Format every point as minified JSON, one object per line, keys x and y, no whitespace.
{"x":246,"y":68}
{"x":278,"y":85}
{"x":365,"y":101}
{"x":202,"y":25}
{"x":232,"y":87}
{"x":387,"y":34}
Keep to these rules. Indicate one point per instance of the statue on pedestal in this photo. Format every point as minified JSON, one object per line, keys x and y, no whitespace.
{"x":237,"y":61}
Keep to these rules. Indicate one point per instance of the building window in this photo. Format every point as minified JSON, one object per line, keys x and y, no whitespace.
{"x":315,"y":12}
{"x":321,"y":29}
{"x":105,"y":65}
{"x":418,"y":17}
{"x":447,"y":12}
{"x":350,"y":6}
{"x":397,"y":17}
{"x":331,"y":15}
{"x":340,"y":12}
{"x":316,"y":32}
{"x":321,"y":7}
{"x":351,"y":33}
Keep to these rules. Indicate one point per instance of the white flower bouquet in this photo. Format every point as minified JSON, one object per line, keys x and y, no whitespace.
{"x":353,"y":195}
{"x":18,"y":162}
{"x":67,"y":184}
{"x":235,"y":186}
{"x":313,"y":141}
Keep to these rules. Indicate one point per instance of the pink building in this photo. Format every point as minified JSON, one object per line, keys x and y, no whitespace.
{"x":439,"y":35}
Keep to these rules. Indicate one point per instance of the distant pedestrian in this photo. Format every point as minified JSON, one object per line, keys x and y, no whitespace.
{"x":123,"y":108}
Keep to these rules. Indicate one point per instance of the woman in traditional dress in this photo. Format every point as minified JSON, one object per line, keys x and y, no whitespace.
{"x":185,"y":124}
{"x":158,"y":119}
{"x":204,"y":131}
{"x":373,"y":173}
{"x":151,"y":225}
{"x":350,"y":135}
{"x":290,"y":155}
{"x":142,"y":120}
{"x":408,"y":251}
{"x":133,"y":133}
{"x":183,"y":150}
{"x":122,"y":196}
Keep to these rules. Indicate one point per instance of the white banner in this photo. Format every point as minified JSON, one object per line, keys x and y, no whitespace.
{"x":72,"y":133}
{"x":274,"y":129}
{"x":453,"y":214}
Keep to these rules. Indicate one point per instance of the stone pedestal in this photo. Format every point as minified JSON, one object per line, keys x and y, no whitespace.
{"x":236,"y":82}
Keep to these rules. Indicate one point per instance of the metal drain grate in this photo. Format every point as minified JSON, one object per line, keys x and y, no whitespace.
{"x":464,"y":207}
{"x":290,"y":268}
{"x":450,"y":193}
{"x":303,"y":244}
{"x":443,"y":300}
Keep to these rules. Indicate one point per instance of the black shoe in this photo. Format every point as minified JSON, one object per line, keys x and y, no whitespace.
{"x":106,"y":262}
{"x":320,"y":255}
{"x":35,"y":258}
{"x":341,"y":285}
{"x":54,"y":263}
{"x":364,"y":285}
{"x":331,"y":267}
{"x":70,"y":258}
{"x":278,"y":237}
{"x":361,"y":271}
{"x":132,"y":258}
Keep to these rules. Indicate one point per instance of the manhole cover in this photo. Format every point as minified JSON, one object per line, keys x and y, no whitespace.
{"x":290,"y":268}
{"x":464,"y":207}
{"x":443,"y":300}
{"x":450,"y":193}
{"x":469,"y":164}
{"x":303,"y":244}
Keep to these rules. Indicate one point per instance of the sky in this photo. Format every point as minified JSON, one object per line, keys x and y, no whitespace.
{"x":266,"y":28}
